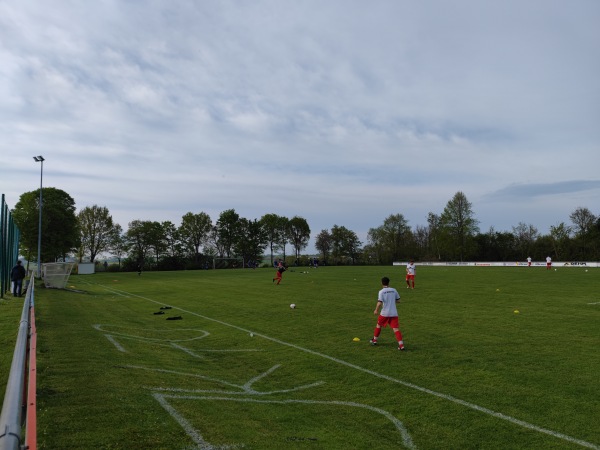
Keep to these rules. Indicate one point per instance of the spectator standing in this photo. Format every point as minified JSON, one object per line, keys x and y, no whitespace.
{"x":17,"y":274}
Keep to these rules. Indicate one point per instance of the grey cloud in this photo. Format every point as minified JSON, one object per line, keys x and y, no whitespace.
{"x":529,"y":191}
{"x":356,"y":110}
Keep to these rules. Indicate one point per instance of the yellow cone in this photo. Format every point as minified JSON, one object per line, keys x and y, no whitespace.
{"x":356,"y":339}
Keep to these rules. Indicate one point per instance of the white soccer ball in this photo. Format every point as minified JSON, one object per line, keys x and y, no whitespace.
{"x":293,"y":305}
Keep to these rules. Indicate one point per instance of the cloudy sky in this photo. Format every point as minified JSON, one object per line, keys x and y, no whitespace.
{"x":340,"y":111}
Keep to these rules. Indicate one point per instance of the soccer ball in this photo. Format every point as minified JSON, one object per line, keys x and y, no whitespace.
{"x":293,"y":305}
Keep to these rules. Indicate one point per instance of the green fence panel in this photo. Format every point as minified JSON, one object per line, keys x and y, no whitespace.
{"x":9,"y":246}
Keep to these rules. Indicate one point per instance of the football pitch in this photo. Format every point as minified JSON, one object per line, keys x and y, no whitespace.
{"x":496,"y":358}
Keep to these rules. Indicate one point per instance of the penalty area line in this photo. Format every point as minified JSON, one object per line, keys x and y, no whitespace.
{"x":450,"y":398}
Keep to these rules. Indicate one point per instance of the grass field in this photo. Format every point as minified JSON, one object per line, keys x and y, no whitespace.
{"x":242,"y":369}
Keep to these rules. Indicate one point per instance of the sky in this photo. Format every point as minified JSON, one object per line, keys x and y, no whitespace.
{"x":342,"y":112}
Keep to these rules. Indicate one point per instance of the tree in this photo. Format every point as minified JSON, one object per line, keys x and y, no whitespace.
{"x":140,"y":238}
{"x":391,"y":239}
{"x":505,"y":246}
{"x":284,"y":234}
{"x":157,"y":239}
{"x":486,"y":246}
{"x":583,"y":221}
{"x":169,"y":250}
{"x":559,"y":234}
{"x":323,"y":243}
{"x":214,"y":246}
{"x":96,"y":229}
{"x":250,"y":240}
{"x":376,"y":246}
{"x":458,"y":222}
{"x":226,"y":230}
{"x":194,"y":231}
{"x":272,"y":226}
{"x":171,"y":239}
{"x":60,"y":232}
{"x":118,"y":243}
{"x":596,"y":239}
{"x":299,"y":233}
{"x":433,"y":220}
{"x":421,"y":239}
{"x":345,"y":243}
{"x":353,"y":245}
{"x":525,"y":236}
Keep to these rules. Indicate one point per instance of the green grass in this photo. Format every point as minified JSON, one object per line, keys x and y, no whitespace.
{"x":10,"y":316}
{"x":105,"y":361}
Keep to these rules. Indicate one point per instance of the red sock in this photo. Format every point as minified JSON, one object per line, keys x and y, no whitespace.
{"x":376,"y":333}
{"x":398,"y":335}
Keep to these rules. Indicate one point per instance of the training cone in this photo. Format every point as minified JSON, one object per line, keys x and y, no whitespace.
{"x":356,"y":339}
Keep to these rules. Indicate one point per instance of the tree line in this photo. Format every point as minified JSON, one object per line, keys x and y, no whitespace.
{"x":452,"y":235}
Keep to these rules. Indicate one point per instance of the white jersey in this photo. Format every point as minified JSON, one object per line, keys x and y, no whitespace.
{"x":388,"y":297}
{"x":410,"y":269}
{"x":548,"y":259}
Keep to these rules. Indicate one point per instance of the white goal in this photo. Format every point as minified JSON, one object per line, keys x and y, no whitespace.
{"x":56,"y":275}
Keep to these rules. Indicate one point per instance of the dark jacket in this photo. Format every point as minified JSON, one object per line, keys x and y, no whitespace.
{"x":17,"y":273}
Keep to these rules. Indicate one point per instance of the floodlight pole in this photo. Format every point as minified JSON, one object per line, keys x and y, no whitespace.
{"x":41,"y":160}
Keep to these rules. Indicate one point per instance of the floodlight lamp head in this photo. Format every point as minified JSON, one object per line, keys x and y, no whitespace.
{"x":39,"y":158}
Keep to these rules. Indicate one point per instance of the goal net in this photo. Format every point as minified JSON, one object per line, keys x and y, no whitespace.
{"x":56,"y":275}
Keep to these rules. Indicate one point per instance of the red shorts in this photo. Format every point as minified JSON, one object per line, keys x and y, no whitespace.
{"x":409,"y":277}
{"x":383,"y":321}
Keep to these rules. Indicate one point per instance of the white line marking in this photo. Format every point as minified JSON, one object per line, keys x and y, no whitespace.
{"x":189,"y":429}
{"x":115,"y":343}
{"x":406,"y":439}
{"x":169,"y":342}
{"x":102,"y":326}
{"x":186,"y":350}
{"x":193,"y":375}
{"x":450,"y":398}
{"x":245,"y":389}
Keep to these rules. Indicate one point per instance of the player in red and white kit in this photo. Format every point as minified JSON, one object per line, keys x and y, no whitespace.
{"x":410,"y":274}
{"x":548,"y":263}
{"x":386,"y":300}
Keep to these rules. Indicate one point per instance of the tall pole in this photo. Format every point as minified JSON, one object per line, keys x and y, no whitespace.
{"x":41,"y":160}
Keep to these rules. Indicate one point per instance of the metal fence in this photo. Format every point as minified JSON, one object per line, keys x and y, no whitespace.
{"x":20,"y":396}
